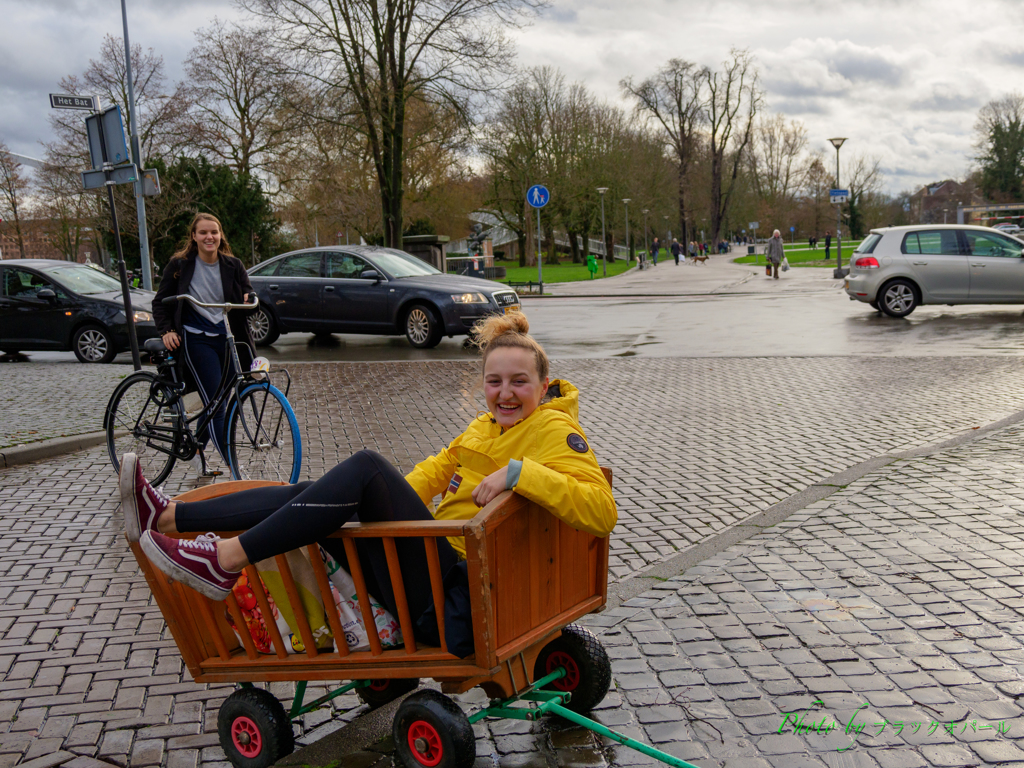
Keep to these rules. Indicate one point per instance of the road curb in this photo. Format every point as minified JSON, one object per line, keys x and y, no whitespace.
{"x":641,"y":581}
{"x":47,"y":449}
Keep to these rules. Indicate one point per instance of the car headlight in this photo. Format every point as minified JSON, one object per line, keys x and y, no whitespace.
{"x":469,"y":298}
{"x":142,"y":317}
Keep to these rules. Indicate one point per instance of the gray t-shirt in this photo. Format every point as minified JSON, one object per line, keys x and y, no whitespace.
{"x":207,"y":287}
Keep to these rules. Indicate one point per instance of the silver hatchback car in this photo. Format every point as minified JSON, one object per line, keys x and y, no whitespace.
{"x":897,"y":269}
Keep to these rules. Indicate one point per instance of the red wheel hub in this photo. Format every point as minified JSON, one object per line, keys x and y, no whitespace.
{"x":572,"y":671}
{"x":379,"y":685}
{"x":246,"y":737}
{"x":425,"y":743}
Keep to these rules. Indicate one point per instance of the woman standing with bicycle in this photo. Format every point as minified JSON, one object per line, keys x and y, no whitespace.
{"x":204,"y":268}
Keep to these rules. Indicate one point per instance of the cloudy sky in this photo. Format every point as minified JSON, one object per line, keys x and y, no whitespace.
{"x":903,"y":79}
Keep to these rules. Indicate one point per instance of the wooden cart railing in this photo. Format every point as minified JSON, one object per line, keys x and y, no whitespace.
{"x":530,"y":574}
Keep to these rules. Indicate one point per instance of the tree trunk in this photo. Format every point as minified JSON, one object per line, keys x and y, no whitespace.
{"x":684,"y":238}
{"x":521,"y":240}
{"x":574,"y":247}
{"x":549,"y":233}
{"x":397,"y":185}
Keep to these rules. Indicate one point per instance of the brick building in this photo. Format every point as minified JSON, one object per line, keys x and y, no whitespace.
{"x":38,"y":245}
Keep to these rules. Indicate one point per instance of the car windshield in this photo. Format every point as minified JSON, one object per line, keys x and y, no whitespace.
{"x":400,"y":264}
{"x":867,"y":245}
{"x":84,"y":281}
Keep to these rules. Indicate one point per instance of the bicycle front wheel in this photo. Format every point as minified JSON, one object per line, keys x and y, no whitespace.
{"x":143,"y":416}
{"x":263,"y":436}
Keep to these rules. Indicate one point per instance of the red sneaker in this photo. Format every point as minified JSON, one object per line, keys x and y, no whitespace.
{"x":140,"y":501}
{"x":192,"y":562}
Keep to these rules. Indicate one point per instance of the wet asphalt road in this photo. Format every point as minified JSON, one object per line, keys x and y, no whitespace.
{"x":795,"y":324}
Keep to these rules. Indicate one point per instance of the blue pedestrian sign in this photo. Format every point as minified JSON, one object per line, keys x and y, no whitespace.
{"x":792,"y":229}
{"x":538,"y":196}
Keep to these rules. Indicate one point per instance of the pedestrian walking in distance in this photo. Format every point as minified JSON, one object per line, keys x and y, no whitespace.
{"x":675,"y":250}
{"x":828,"y":242}
{"x":775,"y":252}
{"x":655,"y":247}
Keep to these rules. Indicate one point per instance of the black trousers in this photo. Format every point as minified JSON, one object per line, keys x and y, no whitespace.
{"x":364,"y":487}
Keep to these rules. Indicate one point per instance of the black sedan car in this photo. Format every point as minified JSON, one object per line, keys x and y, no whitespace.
{"x":60,"y":305}
{"x":366,"y":289}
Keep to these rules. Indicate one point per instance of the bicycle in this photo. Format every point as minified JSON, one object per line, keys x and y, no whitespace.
{"x":146,"y":415}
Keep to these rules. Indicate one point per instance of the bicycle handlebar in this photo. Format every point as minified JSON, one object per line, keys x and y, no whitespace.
{"x":181,"y":297}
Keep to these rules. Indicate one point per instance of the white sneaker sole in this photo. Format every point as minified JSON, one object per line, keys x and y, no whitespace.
{"x":129,"y":504}
{"x":170,"y":568}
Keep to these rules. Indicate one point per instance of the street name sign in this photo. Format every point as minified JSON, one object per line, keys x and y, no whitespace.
{"x":66,"y":101}
{"x":838,"y":196}
{"x":538,"y":196}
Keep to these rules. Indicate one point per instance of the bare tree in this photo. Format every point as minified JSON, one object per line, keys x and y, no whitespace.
{"x":14,"y":187}
{"x":731,"y":103}
{"x":160,"y":129}
{"x":237,"y":88}
{"x":673,"y":98}
{"x":389,"y":51}
{"x":69,"y":213}
{"x":776,"y":163}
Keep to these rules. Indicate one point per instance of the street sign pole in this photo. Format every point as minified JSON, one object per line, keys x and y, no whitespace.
{"x":122,"y":270}
{"x":538,"y":196}
{"x":540,"y":260}
{"x":140,"y":198}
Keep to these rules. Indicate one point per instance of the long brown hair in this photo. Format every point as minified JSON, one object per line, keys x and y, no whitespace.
{"x":189,"y":248}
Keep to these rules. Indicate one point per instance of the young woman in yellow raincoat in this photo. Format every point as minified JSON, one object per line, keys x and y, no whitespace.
{"x":530,"y":440}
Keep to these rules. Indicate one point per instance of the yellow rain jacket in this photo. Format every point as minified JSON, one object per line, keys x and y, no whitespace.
{"x":559,"y":469}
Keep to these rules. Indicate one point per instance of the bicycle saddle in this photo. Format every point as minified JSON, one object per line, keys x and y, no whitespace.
{"x":155,"y":346}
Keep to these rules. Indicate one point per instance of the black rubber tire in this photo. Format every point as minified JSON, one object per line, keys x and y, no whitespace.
{"x":93,"y":344}
{"x":898,"y":298}
{"x":590,"y":680}
{"x":422,"y":327}
{"x":263,"y":328}
{"x":141,"y":397}
{"x":263,"y":711}
{"x":449,"y":728}
{"x":381,"y":692}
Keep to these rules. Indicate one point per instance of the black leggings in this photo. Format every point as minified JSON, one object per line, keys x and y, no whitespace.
{"x":364,"y":487}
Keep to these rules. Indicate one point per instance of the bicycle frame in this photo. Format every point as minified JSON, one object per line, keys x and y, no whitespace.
{"x":231,"y":385}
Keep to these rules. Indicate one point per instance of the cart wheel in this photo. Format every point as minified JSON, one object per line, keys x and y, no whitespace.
{"x":254,"y":730}
{"x":588,"y":671}
{"x":381,"y":692}
{"x":431,"y":731}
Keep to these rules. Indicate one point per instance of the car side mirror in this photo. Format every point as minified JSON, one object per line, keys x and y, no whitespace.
{"x":370,"y":274}
{"x":46,"y":293}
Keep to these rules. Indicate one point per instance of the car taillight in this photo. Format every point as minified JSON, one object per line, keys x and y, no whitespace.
{"x":866,"y":262}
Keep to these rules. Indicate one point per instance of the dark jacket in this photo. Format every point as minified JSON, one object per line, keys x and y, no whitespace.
{"x":828,"y":240}
{"x":176,"y":280}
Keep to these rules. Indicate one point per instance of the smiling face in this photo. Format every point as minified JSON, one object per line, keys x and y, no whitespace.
{"x":512,"y":386}
{"x":207,"y":236}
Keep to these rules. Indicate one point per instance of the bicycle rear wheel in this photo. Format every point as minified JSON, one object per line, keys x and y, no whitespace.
{"x":141,"y":414}
{"x":263,"y":436}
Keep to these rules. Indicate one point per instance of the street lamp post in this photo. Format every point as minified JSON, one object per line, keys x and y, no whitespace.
{"x":604,"y":237}
{"x":838,"y":272}
{"x":944,"y":212}
{"x":669,"y":231}
{"x":629,"y":253}
{"x":647,"y":248}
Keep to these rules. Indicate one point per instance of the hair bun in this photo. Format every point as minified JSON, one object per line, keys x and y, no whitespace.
{"x":496,"y":326}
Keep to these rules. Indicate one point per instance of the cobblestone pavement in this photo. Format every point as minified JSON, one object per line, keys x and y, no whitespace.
{"x":696,"y":445}
{"x":44,"y":400}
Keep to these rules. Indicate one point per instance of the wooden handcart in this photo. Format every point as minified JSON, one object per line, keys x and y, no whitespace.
{"x":530,"y":575}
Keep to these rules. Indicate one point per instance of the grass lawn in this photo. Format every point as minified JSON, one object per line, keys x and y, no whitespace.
{"x":801,"y":255}
{"x":566,"y":272}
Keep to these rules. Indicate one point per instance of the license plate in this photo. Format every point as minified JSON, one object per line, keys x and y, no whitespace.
{"x":513,"y":308}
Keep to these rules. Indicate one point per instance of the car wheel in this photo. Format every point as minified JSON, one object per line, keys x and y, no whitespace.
{"x":898,"y":298}
{"x":422,"y":327}
{"x":263,"y":328}
{"x":874,"y":306}
{"x":92,"y":344}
